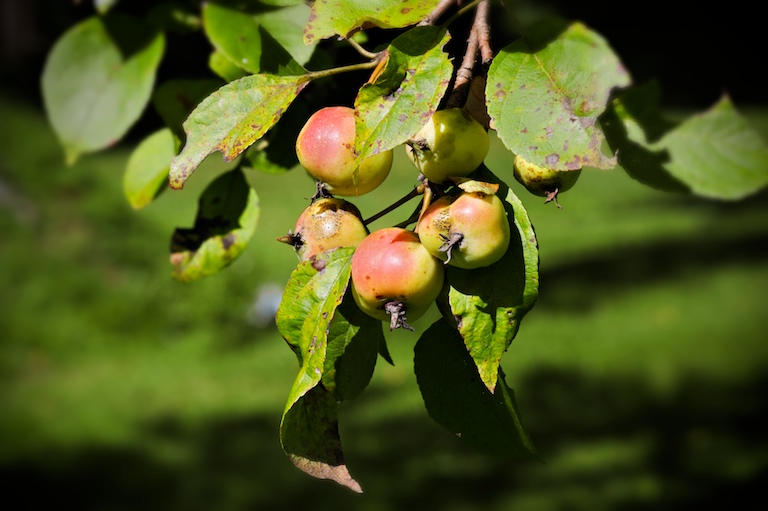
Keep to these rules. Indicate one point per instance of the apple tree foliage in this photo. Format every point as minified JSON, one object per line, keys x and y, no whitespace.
{"x":552,"y":89}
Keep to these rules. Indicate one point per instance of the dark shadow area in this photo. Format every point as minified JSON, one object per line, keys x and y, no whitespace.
{"x":691,"y":442}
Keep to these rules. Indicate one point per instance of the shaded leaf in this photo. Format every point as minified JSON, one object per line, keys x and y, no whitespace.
{"x":227,"y":214}
{"x":715,"y":154}
{"x":489,"y":303}
{"x":343,"y":17}
{"x":225,"y":68}
{"x":353,"y":342}
{"x":97,"y":80}
{"x":545,"y":93}
{"x":457,"y":399}
{"x":405,"y":94}
{"x":103,"y":6}
{"x":251,"y":37}
{"x":718,"y":154}
{"x":632,"y":125}
{"x":175,"y":99}
{"x":146,"y":173}
{"x":233,"y":118}
{"x":309,"y":434}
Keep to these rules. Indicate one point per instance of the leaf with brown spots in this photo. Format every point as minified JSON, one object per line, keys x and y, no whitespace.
{"x":309,"y":430}
{"x":546,"y":92}
{"x":233,"y":118}
{"x":227,"y":214}
{"x":344,"y":17}
{"x":406,"y":93}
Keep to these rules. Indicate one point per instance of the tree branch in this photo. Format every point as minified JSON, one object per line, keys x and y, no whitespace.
{"x":441,"y":9}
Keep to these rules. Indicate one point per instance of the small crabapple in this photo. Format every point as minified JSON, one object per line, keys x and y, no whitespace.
{"x":542,"y":181}
{"x":451,"y":144}
{"x":325,"y":148}
{"x":468,"y":230}
{"x":393,"y":276}
{"x":325,"y":224}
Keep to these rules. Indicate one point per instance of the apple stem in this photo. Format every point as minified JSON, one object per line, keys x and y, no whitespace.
{"x":418,"y":190}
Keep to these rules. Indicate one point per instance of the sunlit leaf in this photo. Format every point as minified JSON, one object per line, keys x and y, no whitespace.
{"x":457,"y":399}
{"x":314,"y":291}
{"x":406,"y":93}
{"x":227,"y":214}
{"x":97,"y":80}
{"x":146,"y":174}
{"x":233,"y":118}
{"x":343,"y":17}
{"x":546,"y":91}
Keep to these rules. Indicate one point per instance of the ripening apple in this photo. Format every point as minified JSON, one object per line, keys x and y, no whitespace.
{"x":542,"y":181}
{"x":325,"y":224}
{"x":394,"y":278}
{"x":451,"y":144}
{"x":469,"y":230}
{"x":325,"y":148}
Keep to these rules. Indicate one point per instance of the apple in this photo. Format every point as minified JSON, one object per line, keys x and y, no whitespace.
{"x":394,"y":278}
{"x":469,"y":230}
{"x":451,"y":144}
{"x":327,"y":223}
{"x":325,"y":148}
{"x":542,"y":181}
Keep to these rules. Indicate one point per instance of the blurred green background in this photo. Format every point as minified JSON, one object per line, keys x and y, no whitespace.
{"x":641,"y":372}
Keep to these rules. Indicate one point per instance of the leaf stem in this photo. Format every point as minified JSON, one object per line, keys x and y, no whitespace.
{"x":314,"y":75}
{"x":362,"y":51}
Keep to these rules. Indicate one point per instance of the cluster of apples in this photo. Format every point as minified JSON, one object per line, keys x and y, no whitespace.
{"x":396,"y":273}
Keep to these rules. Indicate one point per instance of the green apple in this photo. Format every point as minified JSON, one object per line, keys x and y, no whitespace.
{"x":451,"y":144}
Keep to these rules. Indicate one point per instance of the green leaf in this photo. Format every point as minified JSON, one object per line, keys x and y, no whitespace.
{"x":715,"y":154}
{"x":252,"y":37}
{"x":97,"y":80}
{"x":309,"y":434}
{"x":225,"y":68}
{"x":103,"y":6}
{"x":489,"y":303}
{"x":353,"y":342}
{"x":456,"y":399}
{"x":307,"y":319}
{"x":227,"y":214}
{"x":406,"y":93}
{"x":314,"y":291}
{"x":633,"y":124}
{"x":233,"y":118}
{"x":147,"y":169}
{"x":545,"y":93}
{"x":343,"y":17}
{"x":175,"y":99}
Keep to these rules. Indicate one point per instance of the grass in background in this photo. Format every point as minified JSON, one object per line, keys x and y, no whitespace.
{"x":640,"y":372}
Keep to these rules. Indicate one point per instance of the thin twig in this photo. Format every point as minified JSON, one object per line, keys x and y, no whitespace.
{"x":441,"y":9}
{"x":483,"y":31}
{"x":465,"y":72}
